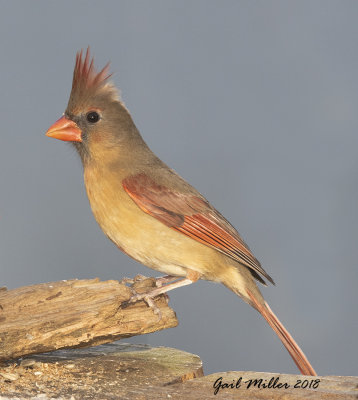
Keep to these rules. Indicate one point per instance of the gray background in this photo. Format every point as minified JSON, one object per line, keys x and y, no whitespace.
{"x":255,"y":103}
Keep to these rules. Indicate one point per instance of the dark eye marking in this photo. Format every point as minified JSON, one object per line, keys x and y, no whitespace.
{"x":92,"y":117}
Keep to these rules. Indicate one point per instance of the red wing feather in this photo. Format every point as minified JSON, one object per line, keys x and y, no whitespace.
{"x":193,"y":216}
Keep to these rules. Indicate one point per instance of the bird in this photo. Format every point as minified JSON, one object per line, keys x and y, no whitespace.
{"x":148,"y":210}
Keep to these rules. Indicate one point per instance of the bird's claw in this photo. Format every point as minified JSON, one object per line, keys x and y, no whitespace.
{"x":139,"y":278}
{"x":148,"y":299}
{"x":131,"y":281}
{"x":126,"y":281}
{"x":156,"y":310}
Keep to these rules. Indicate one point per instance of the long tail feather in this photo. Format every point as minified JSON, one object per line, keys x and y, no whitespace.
{"x":292,"y":347}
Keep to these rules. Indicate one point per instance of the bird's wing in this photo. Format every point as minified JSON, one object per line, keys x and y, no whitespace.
{"x":192,"y":215}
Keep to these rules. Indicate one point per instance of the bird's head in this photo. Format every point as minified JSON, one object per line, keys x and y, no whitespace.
{"x":95,"y":119}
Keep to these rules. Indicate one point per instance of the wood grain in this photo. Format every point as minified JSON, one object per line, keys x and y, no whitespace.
{"x":140,"y":372}
{"x":75,"y":313}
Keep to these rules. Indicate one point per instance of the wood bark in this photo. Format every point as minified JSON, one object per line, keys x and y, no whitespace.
{"x":140,"y":372}
{"x":75,"y":313}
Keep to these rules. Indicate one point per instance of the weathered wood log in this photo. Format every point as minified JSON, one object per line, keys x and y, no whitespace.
{"x":112,"y":371}
{"x":139,"y":372}
{"x":75,"y":313}
{"x":248,"y":385}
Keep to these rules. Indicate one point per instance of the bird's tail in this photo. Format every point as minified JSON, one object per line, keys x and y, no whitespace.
{"x":292,"y":347}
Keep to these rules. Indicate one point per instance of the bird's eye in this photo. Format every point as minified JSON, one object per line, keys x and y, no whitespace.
{"x":92,"y":117}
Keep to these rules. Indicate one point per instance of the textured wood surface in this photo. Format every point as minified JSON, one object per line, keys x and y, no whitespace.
{"x":139,"y":372}
{"x":322,"y":387}
{"x":112,"y":371}
{"x":75,"y":313}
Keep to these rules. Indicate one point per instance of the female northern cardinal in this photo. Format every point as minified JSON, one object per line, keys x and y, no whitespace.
{"x":147,"y":209}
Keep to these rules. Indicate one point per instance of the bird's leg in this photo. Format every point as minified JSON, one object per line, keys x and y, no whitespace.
{"x":148,"y":297}
{"x":161,"y":280}
{"x":191,"y":277}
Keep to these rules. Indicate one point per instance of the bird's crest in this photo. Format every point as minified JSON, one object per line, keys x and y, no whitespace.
{"x":85,"y":74}
{"x":88,"y":82}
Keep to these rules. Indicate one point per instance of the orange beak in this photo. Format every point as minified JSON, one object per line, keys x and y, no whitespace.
{"x":65,"y":129}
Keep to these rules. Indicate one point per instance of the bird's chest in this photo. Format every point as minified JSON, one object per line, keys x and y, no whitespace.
{"x":114,"y":211}
{"x":136,"y":233}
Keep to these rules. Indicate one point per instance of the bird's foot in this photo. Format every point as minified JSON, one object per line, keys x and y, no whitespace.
{"x":148,"y":298}
{"x":150,"y":295}
{"x":131,"y":281}
{"x":151,"y":304}
{"x":126,"y":281}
